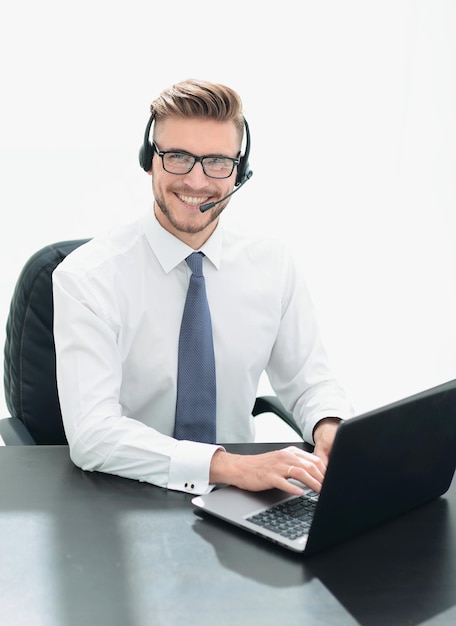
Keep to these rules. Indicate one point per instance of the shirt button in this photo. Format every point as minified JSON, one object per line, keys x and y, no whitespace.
{"x":189,"y":485}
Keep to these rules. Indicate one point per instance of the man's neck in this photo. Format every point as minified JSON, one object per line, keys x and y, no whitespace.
{"x":193,"y":240}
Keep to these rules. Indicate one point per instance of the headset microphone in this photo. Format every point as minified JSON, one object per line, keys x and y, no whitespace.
{"x":210,"y":205}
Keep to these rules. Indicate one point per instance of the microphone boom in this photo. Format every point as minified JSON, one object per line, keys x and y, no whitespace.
{"x":211,"y":205}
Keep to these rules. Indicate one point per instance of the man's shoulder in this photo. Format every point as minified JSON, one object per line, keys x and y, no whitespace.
{"x":103,"y":249}
{"x":254,"y":243}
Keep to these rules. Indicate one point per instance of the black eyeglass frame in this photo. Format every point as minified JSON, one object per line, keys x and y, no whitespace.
{"x":196,"y":159}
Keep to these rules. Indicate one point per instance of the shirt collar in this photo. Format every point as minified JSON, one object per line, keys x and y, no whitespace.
{"x":170,"y":251}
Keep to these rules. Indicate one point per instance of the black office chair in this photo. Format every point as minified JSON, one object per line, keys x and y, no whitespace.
{"x":29,"y":358}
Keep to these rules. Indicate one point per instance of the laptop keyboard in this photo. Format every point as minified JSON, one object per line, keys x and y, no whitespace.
{"x":291,"y":518}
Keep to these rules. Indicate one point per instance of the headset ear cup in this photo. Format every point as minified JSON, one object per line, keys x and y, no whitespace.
{"x":146,"y":152}
{"x":243,"y":171}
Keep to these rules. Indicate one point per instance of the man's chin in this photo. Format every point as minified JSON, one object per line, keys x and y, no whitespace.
{"x":190,"y":227}
{"x":196,"y":223}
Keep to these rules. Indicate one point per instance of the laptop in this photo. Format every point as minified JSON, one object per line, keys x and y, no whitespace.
{"x":383,"y":464}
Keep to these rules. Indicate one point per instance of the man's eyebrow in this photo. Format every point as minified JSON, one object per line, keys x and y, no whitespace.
{"x":212,"y":155}
{"x":172,"y":149}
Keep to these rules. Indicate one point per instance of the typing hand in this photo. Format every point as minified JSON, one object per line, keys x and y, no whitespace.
{"x":257,"y":472}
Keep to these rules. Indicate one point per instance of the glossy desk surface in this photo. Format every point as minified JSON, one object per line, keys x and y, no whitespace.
{"x":83,"y":549}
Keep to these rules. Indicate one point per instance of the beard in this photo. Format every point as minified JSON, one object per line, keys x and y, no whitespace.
{"x":189,"y":226}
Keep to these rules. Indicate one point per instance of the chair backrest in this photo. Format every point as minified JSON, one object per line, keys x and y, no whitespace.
{"x":29,"y":355}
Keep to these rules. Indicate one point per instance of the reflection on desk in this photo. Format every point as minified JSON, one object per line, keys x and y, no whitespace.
{"x":80,"y":548}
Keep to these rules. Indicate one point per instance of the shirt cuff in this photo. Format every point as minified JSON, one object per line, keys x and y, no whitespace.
{"x":190,"y":465}
{"x":311,"y":424}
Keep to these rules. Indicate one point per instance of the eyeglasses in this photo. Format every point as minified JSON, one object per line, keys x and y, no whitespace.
{"x":183,"y":162}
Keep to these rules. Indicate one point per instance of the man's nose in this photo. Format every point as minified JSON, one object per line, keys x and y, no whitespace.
{"x":196,"y":177}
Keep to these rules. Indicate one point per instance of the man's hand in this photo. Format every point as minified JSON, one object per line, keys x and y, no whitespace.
{"x":272,"y":469}
{"x":324,"y":434}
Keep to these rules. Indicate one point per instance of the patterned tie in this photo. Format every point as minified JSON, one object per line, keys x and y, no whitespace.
{"x":196,"y":393}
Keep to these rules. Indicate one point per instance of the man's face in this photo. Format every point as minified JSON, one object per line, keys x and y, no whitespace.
{"x":178,"y":197}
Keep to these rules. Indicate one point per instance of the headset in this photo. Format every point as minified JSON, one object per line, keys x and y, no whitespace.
{"x":244,"y":172}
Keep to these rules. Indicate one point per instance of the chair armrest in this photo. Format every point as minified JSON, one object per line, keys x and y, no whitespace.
{"x":15,"y":433}
{"x":271,"y":404}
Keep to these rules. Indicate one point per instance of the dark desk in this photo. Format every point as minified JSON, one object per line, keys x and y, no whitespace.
{"x":83,"y":549}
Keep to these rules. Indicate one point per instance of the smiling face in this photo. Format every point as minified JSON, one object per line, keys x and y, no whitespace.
{"x":178,"y":197}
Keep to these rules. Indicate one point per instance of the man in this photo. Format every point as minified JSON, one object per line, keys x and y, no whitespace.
{"x":118,"y":307}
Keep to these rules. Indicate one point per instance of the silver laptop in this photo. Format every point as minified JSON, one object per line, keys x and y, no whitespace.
{"x":383,"y":464}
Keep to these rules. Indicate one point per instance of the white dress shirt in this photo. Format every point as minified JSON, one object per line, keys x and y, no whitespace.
{"x":118,"y":303}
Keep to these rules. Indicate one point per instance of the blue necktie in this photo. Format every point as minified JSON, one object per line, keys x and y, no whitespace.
{"x":196,"y":393}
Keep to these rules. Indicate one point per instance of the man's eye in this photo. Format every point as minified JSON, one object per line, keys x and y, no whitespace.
{"x":219,"y":162}
{"x":179,"y":157}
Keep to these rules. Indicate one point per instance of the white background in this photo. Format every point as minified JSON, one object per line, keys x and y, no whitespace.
{"x":351,"y":106}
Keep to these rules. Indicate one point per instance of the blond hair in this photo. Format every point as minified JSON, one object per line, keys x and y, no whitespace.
{"x":201,"y":99}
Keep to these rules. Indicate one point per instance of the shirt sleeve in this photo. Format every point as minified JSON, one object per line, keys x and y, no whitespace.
{"x":299,"y":368}
{"x":89,"y":377}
